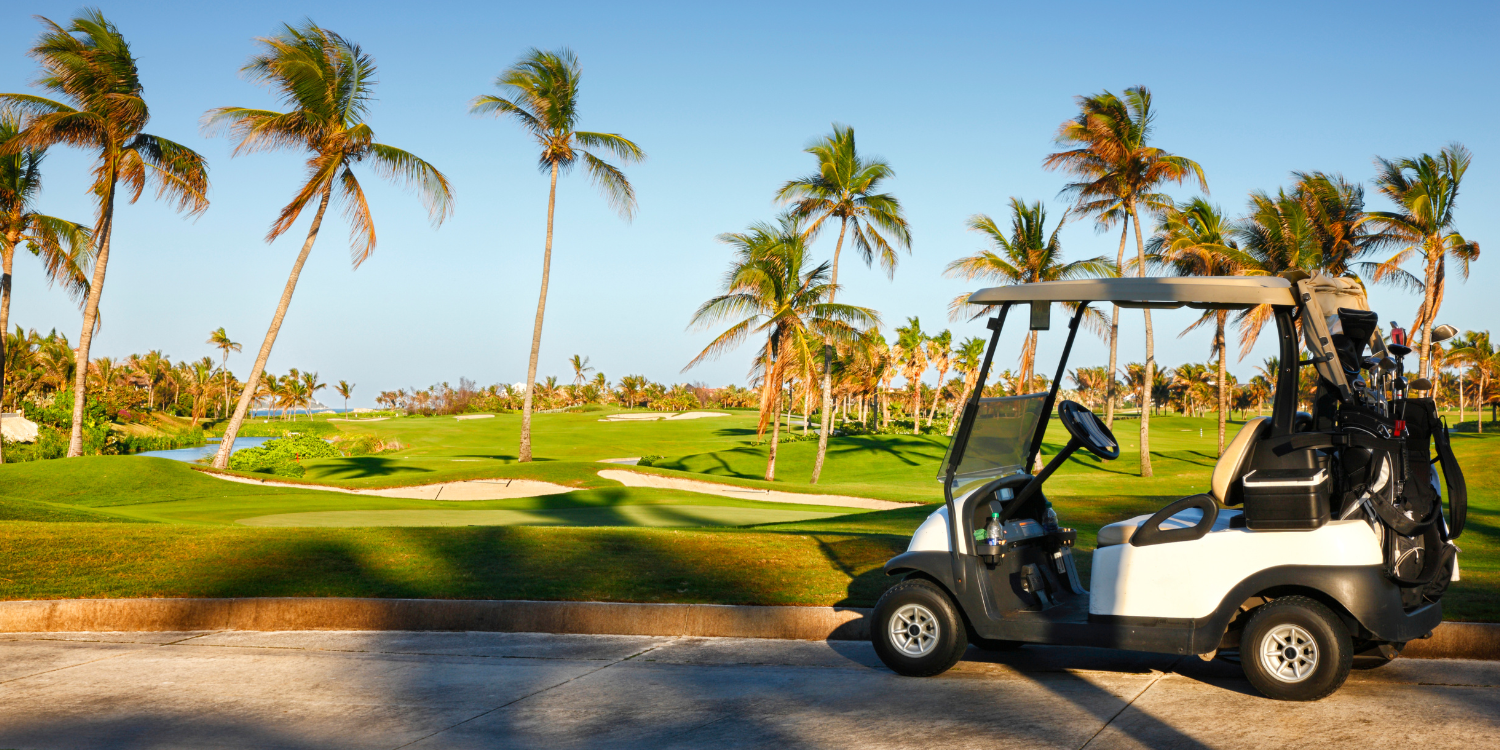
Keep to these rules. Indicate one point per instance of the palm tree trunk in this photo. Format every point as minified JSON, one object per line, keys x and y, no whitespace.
{"x":1114,"y":336}
{"x":1223,"y":378}
{"x":242,"y":407}
{"x":775,"y":434}
{"x":1479,"y":405}
{"x":224,"y":365}
{"x":90,"y":319}
{"x":536,"y":330}
{"x":7,"y":257}
{"x":827,"y":420}
{"x":1434,"y":257}
{"x":1140,"y":249}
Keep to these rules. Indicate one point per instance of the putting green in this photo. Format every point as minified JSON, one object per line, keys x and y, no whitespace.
{"x":619,"y":515}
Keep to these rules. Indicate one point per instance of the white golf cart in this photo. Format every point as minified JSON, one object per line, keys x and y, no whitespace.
{"x":1335,"y":555}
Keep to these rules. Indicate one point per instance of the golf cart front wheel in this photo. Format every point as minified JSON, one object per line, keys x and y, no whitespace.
{"x":1296,"y":649}
{"x":917,"y":630}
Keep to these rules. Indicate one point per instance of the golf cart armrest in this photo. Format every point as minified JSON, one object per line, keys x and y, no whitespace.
{"x":1151,"y":532}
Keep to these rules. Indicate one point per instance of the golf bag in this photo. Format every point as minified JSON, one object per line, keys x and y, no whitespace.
{"x":1386,"y":468}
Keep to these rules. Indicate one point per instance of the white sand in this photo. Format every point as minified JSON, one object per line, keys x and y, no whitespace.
{"x":474,"y":489}
{"x":639,"y":479}
{"x":657,"y":417}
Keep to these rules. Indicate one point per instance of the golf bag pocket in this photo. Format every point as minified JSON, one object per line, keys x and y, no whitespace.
{"x":1286,"y":499}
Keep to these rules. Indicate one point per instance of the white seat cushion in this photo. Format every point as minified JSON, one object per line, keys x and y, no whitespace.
{"x":1121,"y":531}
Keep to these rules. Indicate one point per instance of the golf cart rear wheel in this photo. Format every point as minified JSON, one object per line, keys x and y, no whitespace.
{"x":917,"y":630}
{"x":1296,"y":649}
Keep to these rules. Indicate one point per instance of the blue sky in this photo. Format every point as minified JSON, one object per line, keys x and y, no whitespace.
{"x":961,"y":99}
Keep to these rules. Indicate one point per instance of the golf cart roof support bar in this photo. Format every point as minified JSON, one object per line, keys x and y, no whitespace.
{"x":1284,"y":406}
{"x":957,"y":544}
{"x":1062,"y":368}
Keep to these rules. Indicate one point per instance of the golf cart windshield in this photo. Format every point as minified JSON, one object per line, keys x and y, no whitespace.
{"x":1000,"y":438}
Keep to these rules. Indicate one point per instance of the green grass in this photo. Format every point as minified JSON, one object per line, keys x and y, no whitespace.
{"x":64,"y":533}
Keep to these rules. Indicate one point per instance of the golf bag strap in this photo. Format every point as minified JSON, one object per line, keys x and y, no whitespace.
{"x":1453,"y":478}
{"x":1310,"y":440}
{"x":1398,"y":521}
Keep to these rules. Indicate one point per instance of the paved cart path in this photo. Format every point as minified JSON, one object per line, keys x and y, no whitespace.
{"x":237,"y":689}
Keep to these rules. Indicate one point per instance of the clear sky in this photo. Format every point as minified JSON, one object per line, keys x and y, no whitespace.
{"x":962,"y":100}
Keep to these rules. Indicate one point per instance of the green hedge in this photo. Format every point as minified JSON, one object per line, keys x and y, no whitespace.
{"x":280,"y":456}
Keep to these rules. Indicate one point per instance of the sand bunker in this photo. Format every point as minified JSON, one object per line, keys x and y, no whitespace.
{"x":474,"y":489}
{"x":638,"y":479}
{"x":662,"y":417}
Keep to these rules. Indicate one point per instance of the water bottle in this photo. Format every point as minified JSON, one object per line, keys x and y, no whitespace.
{"x":1049,"y":522}
{"x":993,"y":534}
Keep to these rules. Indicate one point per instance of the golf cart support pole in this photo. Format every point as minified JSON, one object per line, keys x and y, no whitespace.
{"x":961,"y":439}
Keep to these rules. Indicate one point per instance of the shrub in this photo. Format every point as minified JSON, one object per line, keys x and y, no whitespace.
{"x":280,"y":456}
{"x":650,"y":460}
{"x":360,"y":444}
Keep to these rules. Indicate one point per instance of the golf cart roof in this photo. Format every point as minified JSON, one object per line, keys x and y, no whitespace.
{"x":1212,"y":292}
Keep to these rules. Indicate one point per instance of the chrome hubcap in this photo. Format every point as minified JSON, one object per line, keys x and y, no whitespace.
{"x":1289,"y":653}
{"x":914,"y":630}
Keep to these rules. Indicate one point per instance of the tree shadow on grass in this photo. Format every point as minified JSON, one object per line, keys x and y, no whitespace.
{"x":359,"y":467}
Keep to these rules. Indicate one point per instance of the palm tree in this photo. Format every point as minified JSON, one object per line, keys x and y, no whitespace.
{"x":845,"y":188}
{"x":221,"y":340}
{"x":910,"y":355}
{"x":966,"y":360}
{"x":311,"y":385}
{"x":1336,"y":215}
{"x":771,"y":290}
{"x":1476,"y":351}
{"x":1276,"y":236}
{"x":61,"y":245}
{"x":940,"y":354}
{"x":542,"y":94}
{"x":327,"y":81}
{"x":153,"y":365}
{"x":89,"y":66}
{"x":1425,"y":191}
{"x":1027,"y":256}
{"x":1192,"y":239}
{"x":1119,"y":173}
{"x":581,"y":368}
{"x":344,"y":388}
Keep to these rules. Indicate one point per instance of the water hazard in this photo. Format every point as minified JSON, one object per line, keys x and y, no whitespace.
{"x":207,"y":450}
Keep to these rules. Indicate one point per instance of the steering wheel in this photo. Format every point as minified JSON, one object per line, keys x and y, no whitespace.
{"x":1088,"y":431}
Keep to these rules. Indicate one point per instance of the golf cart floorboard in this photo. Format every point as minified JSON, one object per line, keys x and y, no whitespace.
{"x":1068,"y":622}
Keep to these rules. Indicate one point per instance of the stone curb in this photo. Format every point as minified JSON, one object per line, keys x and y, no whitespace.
{"x":1451,"y":640}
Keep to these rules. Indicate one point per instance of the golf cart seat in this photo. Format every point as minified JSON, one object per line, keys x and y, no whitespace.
{"x":1226,"y":472}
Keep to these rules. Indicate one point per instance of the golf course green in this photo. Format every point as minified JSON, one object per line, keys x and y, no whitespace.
{"x":135,"y":526}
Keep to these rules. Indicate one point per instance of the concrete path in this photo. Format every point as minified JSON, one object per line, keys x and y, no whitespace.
{"x":638,"y":479}
{"x":238,"y":689}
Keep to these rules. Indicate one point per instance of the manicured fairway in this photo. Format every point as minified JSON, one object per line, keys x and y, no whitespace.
{"x":621,"y":515}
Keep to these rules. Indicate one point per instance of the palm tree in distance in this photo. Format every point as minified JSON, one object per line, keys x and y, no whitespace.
{"x":581,"y":369}
{"x":541,"y":93}
{"x":327,"y":81}
{"x":89,"y":65}
{"x":344,"y":388}
{"x":771,"y":289}
{"x":220,"y":339}
{"x":1476,"y":350}
{"x":311,"y":385}
{"x":1027,"y":256}
{"x":940,"y":354}
{"x":1107,"y":150}
{"x":61,"y":245}
{"x":1276,"y":236}
{"x":1425,"y":191}
{"x":845,"y":188}
{"x":911,"y":355}
{"x":966,"y":360}
{"x":1193,"y":239}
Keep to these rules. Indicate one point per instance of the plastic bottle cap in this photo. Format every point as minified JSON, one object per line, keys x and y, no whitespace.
{"x":994,"y":515}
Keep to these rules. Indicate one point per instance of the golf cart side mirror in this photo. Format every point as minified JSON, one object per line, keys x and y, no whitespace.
{"x":1041,"y":316}
{"x":1443,"y":333}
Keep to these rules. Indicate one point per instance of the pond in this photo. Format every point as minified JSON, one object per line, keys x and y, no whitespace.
{"x":207,"y":450}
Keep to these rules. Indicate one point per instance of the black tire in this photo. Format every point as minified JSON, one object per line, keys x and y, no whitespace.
{"x":1296,"y":649}
{"x":931,"y":635}
{"x":1377,"y":655}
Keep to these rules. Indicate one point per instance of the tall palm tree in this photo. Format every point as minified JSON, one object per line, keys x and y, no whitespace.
{"x":911,"y":355}
{"x":1193,"y":239}
{"x":344,"y":388}
{"x":311,"y":385}
{"x":940,"y":354}
{"x":541,"y":93}
{"x":966,"y":360}
{"x":1425,"y":191}
{"x":220,"y":339}
{"x":1030,"y":254}
{"x":153,"y":366}
{"x":89,"y":66}
{"x":327,"y":82}
{"x":845,"y":188}
{"x":772,"y":289}
{"x":61,"y":245}
{"x":1106,"y":148}
{"x":1336,"y":215}
{"x":1277,"y":235}
{"x":581,"y":368}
